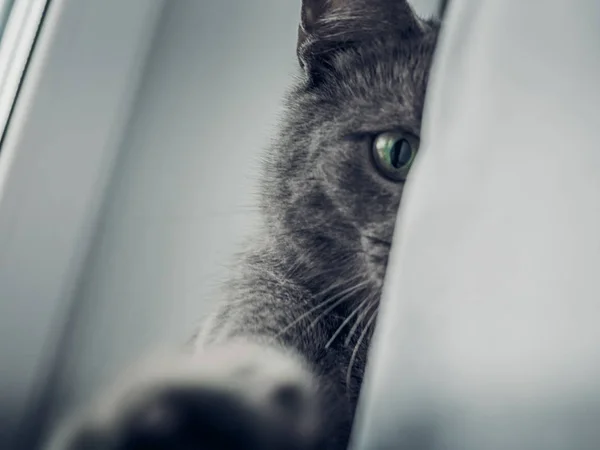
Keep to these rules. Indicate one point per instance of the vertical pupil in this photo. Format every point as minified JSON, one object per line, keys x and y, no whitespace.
{"x":400,"y":154}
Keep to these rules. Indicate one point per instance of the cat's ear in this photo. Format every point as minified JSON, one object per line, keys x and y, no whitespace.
{"x":313,"y":12}
{"x":327,"y":26}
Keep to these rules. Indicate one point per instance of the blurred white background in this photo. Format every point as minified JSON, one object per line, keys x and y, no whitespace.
{"x":181,"y":195}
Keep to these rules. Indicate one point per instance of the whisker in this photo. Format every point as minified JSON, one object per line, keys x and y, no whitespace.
{"x":337,"y":285}
{"x":345,"y":295}
{"x":323,"y":304}
{"x":345,"y":322}
{"x":359,"y":320}
{"x":357,"y":346}
{"x":307,"y":313}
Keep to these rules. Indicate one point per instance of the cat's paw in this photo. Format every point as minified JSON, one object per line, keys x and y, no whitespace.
{"x":239,"y":396}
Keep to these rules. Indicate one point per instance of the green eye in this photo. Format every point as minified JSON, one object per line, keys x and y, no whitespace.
{"x":394,"y":153}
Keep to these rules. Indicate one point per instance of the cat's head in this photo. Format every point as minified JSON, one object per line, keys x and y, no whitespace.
{"x":335,"y":175}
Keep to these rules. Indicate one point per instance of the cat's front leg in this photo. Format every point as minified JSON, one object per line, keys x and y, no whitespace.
{"x":260,"y":377}
{"x":235,"y":395}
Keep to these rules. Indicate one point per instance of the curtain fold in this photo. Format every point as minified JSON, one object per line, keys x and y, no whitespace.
{"x":488,"y":335}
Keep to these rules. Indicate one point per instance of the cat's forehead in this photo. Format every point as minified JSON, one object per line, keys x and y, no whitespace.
{"x":381,"y":87}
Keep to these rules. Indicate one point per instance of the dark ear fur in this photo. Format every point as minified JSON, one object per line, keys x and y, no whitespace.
{"x":329,"y":26}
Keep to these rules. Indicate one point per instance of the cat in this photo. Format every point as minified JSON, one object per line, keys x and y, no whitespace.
{"x":280,"y":364}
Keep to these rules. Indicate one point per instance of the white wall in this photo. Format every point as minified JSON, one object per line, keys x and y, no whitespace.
{"x":182,"y":193}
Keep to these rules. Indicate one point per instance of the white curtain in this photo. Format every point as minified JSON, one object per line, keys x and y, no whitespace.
{"x":489,"y":332}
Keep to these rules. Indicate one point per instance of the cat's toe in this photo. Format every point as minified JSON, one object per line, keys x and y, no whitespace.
{"x":205,"y":419}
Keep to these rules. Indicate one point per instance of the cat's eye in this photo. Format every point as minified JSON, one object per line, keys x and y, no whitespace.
{"x":394,"y":153}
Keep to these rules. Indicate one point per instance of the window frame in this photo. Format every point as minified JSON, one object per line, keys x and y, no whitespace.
{"x":56,"y":159}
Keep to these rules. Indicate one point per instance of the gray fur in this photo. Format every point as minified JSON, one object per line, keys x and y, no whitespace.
{"x":328,"y":217}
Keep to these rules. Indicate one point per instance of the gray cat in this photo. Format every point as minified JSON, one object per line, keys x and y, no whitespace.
{"x":280,"y":365}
